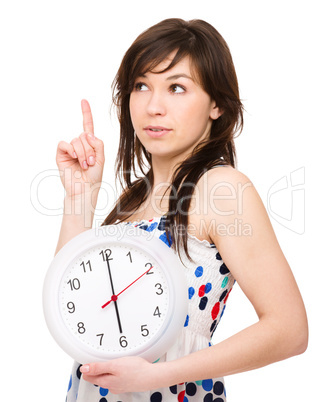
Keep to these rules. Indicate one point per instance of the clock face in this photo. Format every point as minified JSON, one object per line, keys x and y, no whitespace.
{"x":114,"y":298}
{"x":106,"y":298}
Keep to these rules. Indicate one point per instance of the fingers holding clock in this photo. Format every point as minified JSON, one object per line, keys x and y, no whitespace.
{"x":127,"y":374}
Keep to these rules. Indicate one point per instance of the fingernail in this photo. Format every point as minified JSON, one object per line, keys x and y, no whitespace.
{"x":84,"y":369}
{"x":91,"y":160}
{"x":75,"y":155}
{"x":91,"y":136}
{"x":84,"y":165}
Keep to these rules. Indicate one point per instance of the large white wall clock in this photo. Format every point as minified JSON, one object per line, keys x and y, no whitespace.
{"x":115,"y":291}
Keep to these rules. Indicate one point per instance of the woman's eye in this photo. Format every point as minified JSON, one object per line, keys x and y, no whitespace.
{"x":177,"y":89}
{"x":140,"y":87}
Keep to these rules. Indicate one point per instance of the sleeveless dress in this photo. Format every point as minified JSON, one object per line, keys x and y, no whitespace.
{"x":209,"y":284}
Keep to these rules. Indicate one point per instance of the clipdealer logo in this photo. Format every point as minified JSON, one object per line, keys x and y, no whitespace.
{"x":286,"y":201}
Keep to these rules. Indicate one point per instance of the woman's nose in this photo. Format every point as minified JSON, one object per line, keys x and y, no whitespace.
{"x":156,"y":104}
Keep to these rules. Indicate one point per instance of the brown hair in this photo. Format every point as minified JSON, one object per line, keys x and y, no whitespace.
{"x":212,"y":62}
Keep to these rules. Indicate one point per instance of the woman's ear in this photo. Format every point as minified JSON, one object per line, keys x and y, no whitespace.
{"x":216,"y":112}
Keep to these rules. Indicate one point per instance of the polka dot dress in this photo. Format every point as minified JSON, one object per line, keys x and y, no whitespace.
{"x":209,"y":285}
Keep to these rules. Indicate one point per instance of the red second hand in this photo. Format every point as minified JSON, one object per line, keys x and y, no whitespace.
{"x":115,"y":297}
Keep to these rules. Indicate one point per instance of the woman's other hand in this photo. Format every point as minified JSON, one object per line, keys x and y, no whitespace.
{"x":127,"y":374}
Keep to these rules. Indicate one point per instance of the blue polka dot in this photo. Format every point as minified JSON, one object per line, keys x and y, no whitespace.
{"x":152,"y":227}
{"x":70,"y":384}
{"x":223,"y":311}
{"x":187,"y":321}
{"x":208,"y":287}
{"x":163,"y":237}
{"x":207,"y":385}
{"x":103,"y":391}
{"x":199,"y":271}
{"x":191,"y":292}
{"x":218,"y":257}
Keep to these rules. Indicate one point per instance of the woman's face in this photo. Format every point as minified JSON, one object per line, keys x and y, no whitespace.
{"x":170,"y":111}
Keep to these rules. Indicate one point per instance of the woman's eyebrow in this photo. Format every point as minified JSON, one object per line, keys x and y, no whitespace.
{"x":176,"y":76}
{"x":171,"y":77}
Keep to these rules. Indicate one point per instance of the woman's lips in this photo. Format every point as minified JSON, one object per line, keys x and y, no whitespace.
{"x":156,"y":131}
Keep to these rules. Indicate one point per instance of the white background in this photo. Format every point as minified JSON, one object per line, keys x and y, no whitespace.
{"x":53,"y":54}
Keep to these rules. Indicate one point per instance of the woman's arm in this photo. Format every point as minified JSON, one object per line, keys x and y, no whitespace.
{"x":256,"y":261}
{"x":80,"y":165}
{"x":259,"y":266}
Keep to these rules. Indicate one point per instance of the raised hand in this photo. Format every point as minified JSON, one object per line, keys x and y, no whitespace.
{"x":81,"y":161}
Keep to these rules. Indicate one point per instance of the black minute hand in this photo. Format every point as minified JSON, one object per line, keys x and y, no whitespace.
{"x":113,"y":292}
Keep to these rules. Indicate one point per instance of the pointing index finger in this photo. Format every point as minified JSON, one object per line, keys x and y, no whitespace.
{"x":88,"y":125}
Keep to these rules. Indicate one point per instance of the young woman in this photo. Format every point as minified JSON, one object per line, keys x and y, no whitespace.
{"x":179,"y":111}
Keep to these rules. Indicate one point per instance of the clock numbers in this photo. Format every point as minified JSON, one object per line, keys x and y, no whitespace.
{"x":160,"y":290}
{"x":123,"y":342}
{"x":144,"y":331}
{"x":81,"y":328}
{"x":101,"y":337}
{"x":129,"y":254}
{"x":88,"y":265}
{"x":149,"y":265}
{"x":106,"y":254}
{"x":138,"y":305}
{"x":157,"y":312}
{"x":74,"y":284}
{"x":71,"y":307}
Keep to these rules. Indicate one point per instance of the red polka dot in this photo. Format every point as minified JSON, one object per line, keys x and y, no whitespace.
{"x":180,"y":397}
{"x":215,"y":311}
{"x":201,"y":291}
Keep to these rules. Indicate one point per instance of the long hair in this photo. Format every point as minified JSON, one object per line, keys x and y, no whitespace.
{"x":212,"y":62}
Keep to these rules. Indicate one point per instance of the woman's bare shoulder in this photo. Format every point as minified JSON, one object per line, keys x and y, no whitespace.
{"x":218,"y":192}
{"x":223,"y":181}
{"x":226,"y":173}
